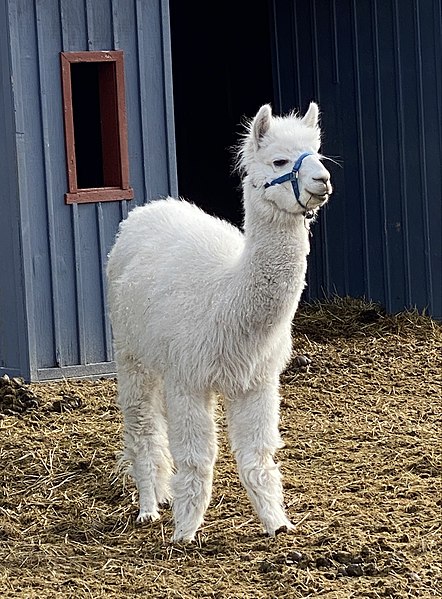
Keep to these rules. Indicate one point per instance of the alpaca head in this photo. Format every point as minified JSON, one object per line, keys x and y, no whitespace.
{"x":271,"y":146}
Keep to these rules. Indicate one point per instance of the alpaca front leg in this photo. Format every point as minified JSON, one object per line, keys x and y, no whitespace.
{"x":146,"y":445}
{"x":193,"y":444}
{"x":253,"y":420}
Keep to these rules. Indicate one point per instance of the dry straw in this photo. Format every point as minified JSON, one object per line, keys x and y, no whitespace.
{"x":361,"y":417}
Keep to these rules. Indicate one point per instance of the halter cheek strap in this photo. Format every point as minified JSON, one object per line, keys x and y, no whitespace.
{"x":293,"y":178}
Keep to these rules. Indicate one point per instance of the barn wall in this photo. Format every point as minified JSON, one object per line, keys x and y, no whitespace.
{"x":374,"y":66}
{"x":65,"y":247}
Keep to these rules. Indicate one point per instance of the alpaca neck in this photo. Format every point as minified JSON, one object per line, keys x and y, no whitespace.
{"x":274,"y":262}
{"x":282,"y":238}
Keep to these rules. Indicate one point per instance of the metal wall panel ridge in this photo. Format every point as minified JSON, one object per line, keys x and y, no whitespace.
{"x":374,"y":67}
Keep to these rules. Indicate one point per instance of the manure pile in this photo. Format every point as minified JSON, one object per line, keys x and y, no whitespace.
{"x":361,"y":417}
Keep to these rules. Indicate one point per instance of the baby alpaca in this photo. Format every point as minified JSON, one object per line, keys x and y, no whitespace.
{"x":199,"y":308}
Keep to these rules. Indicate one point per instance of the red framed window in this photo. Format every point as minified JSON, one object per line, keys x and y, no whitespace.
{"x":95,"y":127}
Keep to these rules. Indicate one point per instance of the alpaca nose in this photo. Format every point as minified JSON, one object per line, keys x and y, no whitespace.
{"x":325,"y":178}
{"x":322,"y":182}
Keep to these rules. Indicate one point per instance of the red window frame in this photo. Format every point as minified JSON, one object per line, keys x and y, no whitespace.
{"x":113,"y":123}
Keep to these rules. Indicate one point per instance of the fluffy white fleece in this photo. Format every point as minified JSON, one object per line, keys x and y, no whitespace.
{"x":199,"y":308}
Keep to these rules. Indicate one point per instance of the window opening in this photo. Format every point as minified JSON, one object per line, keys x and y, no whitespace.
{"x":95,"y":126}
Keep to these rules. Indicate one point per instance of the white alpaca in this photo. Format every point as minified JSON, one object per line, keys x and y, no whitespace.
{"x":200,"y":308}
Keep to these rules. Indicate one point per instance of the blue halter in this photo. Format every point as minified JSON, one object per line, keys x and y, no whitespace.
{"x":293,"y":178}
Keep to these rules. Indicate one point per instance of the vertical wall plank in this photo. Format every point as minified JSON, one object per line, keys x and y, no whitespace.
{"x":168,"y":99}
{"x":33,"y":218}
{"x":361,"y":149}
{"x":386,"y":294}
{"x":296,"y":54}
{"x":427,"y":279}
{"x":14,"y":354}
{"x":141,"y":51}
{"x":403,"y":221}
{"x":79,"y":305}
{"x":335,"y":51}
{"x":50,"y":192}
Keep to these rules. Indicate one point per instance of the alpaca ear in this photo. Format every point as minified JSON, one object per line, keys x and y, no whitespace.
{"x":261,"y":124}
{"x":311,"y":117}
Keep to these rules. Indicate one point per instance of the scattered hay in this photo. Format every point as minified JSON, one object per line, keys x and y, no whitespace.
{"x":361,"y":417}
{"x":15,"y":396}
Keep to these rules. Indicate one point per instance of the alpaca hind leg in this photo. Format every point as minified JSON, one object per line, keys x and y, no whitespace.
{"x":146,"y":446}
{"x":253,"y":420}
{"x":193,"y":444}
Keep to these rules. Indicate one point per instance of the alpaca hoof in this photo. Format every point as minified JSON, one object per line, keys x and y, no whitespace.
{"x":181,"y":536}
{"x":281,"y":528}
{"x":181,"y":541}
{"x":147,"y":516}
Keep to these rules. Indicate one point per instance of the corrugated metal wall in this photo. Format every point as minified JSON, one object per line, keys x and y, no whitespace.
{"x":65,"y":247}
{"x":375,"y":68}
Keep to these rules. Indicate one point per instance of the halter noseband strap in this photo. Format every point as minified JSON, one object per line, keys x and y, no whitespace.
{"x":293,"y":178}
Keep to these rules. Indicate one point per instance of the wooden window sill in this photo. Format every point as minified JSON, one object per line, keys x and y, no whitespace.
{"x":99,"y":194}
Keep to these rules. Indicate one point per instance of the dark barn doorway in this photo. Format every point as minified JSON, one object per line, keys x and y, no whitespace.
{"x":222,"y":71}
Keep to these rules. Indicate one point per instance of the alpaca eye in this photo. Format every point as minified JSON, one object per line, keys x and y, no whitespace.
{"x":279,"y":163}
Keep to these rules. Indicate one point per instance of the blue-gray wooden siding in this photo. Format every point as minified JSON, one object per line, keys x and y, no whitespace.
{"x":53,"y":320}
{"x":12,"y":320}
{"x":375,"y":67}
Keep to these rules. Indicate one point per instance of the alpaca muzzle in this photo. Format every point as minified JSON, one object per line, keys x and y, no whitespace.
{"x":292,"y":176}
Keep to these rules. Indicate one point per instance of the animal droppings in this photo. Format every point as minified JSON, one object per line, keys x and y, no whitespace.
{"x":15,"y":396}
{"x":301,"y":361}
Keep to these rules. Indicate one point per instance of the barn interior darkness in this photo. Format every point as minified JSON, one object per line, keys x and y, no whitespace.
{"x":86,"y":114}
{"x":222,"y":72}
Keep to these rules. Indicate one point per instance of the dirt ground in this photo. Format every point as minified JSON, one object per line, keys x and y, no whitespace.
{"x":362,"y":470}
